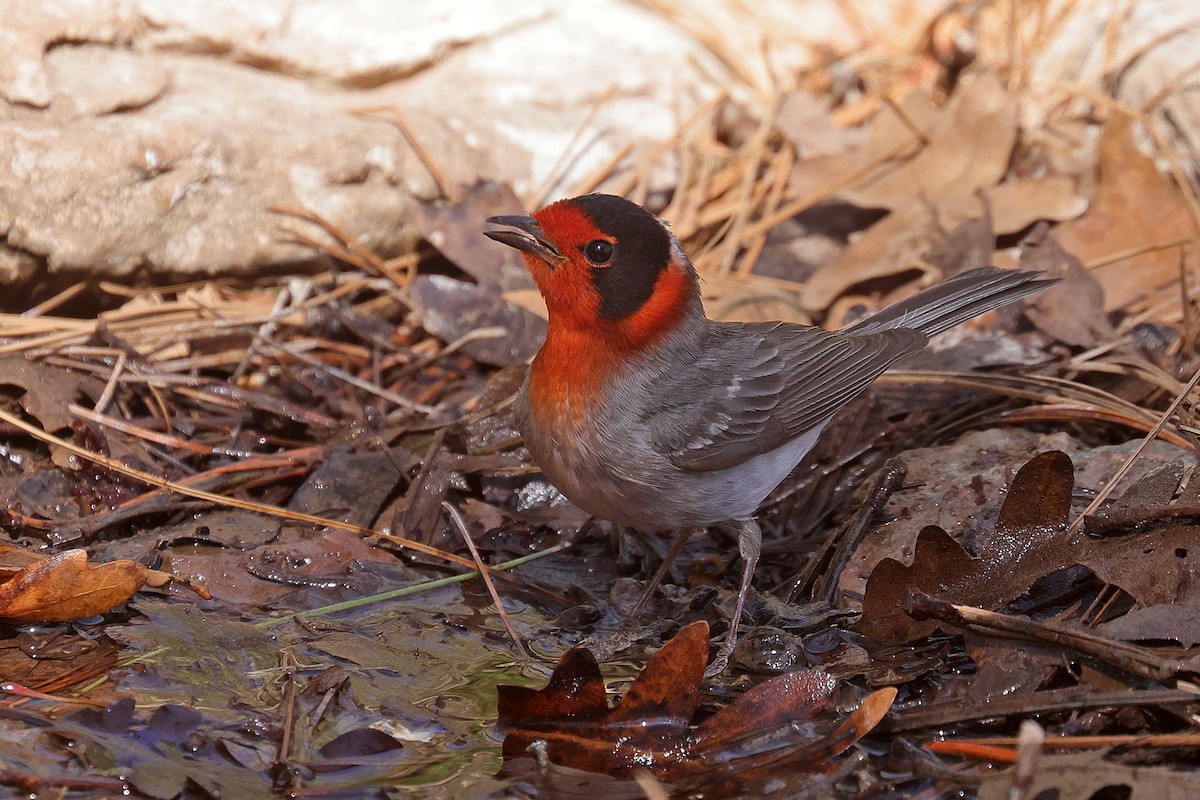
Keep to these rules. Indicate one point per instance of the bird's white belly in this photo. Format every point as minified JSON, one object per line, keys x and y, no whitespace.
{"x":635,"y":485}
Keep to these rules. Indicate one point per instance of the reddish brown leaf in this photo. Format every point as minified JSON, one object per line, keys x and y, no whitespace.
{"x":15,"y":559}
{"x":66,"y":587}
{"x":939,"y":563}
{"x":668,"y":689}
{"x":1039,"y":498}
{"x":575,"y":691}
{"x":790,"y":697}
{"x":649,"y":728}
{"x":862,"y":720}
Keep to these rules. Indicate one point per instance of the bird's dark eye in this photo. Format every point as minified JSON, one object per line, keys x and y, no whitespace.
{"x":598,"y":251}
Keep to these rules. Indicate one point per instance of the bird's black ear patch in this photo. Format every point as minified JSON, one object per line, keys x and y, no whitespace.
{"x":641,"y":251}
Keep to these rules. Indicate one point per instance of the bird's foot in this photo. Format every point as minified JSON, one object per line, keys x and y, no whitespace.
{"x":720,"y":662}
{"x":604,"y":648}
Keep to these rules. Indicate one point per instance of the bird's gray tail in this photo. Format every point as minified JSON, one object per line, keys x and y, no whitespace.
{"x":957,"y":299}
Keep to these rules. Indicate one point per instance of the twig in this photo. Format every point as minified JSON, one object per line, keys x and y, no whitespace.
{"x":154,"y":436}
{"x":445,"y":186}
{"x":351,"y":252}
{"x":1131,"y":658}
{"x":558,"y":168}
{"x":1138,"y":517}
{"x":283,"y":750}
{"x":396,"y":399}
{"x":9,"y":687}
{"x":223,"y":500}
{"x":1073,"y":700}
{"x":1104,"y":493}
{"x":51,"y":303}
{"x":461,"y":524}
{"x":404,"y":591}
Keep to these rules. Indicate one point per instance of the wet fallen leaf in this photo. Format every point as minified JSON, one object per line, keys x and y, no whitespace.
{"x":52,"y":657}
{"x":353,"y":482}
{"x":1029,"y":541}
{"x":775,"y":724}
{"x":64,"y":587}
{"x":1169,"y":622}
{"x":157,"y":756}
{"x":1154,"y":567}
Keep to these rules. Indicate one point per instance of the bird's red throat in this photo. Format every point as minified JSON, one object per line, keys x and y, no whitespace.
{"x":583,"y":351}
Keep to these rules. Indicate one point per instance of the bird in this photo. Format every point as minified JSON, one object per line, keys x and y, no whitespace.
{"x":643,"y":411}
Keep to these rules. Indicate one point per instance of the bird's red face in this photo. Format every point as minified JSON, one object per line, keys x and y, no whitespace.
{"x":605,"y":266}
{"x":614,"y":282}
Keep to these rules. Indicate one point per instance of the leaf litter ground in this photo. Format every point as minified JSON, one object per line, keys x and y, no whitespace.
{"x":317,"y":452}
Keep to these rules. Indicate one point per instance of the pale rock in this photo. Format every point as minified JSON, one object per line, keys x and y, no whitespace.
{"x":149,"y":139}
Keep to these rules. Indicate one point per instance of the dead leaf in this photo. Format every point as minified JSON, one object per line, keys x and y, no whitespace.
{"x":650,"y":727}
{"x":48,"y":391}
{"x":968,"y":246}
{"x":1169,"y":622}
{"x":1017,"y":204}
{"x":1070,"y":311}
{"x":1155,"y":567}
{"x":64,"y":587}
{"x":966,"y":152}
{"x":893,"y":245}
{"x":48,"y":658}
{"x":806,"y":122}
{"x":967,"y":149}
{"x":451,"y":308}
{"x":1028,"y":542}
{"x":1134,"y":206}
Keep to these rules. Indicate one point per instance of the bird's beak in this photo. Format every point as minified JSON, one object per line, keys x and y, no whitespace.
{"x":528,"y":237}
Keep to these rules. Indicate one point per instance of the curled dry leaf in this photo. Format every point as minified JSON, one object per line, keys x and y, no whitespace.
{"x":1067,"y":311}
{"x":64,"y":587}
{"x":778,"y":723}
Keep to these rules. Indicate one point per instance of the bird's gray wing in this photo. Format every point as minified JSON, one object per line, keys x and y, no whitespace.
{"x":757,"y":386}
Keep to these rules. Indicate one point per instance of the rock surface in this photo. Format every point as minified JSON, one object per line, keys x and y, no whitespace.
{"x":149,"y":139}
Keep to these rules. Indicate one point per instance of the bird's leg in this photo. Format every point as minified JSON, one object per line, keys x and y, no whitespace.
{"x":627,"y":634}
{"x":681,"y":537}
{"x":749,"y":537}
